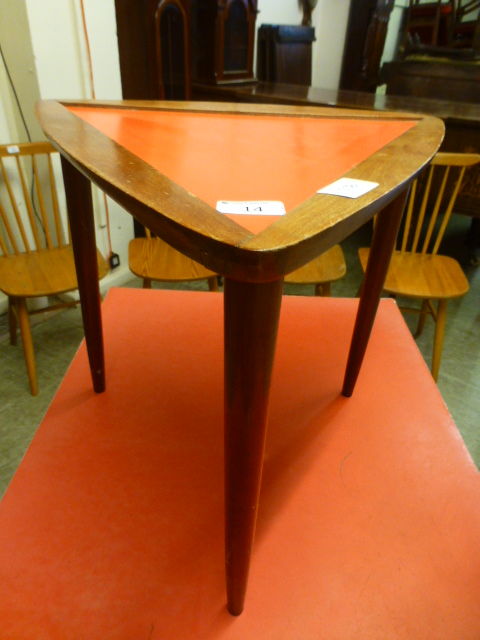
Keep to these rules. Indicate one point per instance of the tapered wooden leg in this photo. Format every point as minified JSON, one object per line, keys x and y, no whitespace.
{"x":327,"y":290}
{"x":383,"y":244}
{"x":12,"y":320}
{"x":26,"y":333}
{"x":82,"y":226}
{"x":251,"y":324}
{"x":440,"y":323}
{"x":423,"y":317}
{"x":213,"y":284}
{"x":147,"y":283}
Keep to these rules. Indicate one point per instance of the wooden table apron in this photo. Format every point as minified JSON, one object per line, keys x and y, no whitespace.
{"x":253,"y":266}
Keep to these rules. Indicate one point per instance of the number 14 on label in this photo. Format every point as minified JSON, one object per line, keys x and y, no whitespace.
{"x":252,"y":208}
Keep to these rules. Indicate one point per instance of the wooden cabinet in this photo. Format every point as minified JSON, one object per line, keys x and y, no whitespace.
{"x":284,"y":54}
{"x":172,"y":48}
{"x":429,"y":77}
{"x":154,"y":48}
{"x":364,"y":43}
{"x":223,"y":40}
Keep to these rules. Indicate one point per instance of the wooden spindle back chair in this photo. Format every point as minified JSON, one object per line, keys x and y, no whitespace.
{"x":417,"y":270}
{"x":424,"y":21}
{"x":321,"y":272}
{"x":152,"y":259}
{"x":36,"y":258}
{"x":465,"y":29}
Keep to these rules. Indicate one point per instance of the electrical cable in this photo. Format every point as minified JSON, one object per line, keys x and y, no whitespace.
{"x":92,"y":86}
{"x":20,"y":110}
{"x":15,"y":93}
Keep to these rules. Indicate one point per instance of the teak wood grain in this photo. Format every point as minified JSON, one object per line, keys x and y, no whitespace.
{"x":254,"y":266}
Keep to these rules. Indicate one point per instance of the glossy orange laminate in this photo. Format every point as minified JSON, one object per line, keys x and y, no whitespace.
{"x":246,"y":157}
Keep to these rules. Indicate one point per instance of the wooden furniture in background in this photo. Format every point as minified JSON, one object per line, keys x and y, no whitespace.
{"x":96,"y":145}
{"x":364,"y":43}
{"x":154,"y":48}
{"x":223,"y":40}
{"x":465,"y":32}
{"x":37,"y":258}
{"x":429,"y":23}
{"x":152,"y":259}
{"x":284,"y":54}
{"x":321,"y":272}
{"x":416,"y":270}
{"x":172,"y":45}
{"x":421,"y":76}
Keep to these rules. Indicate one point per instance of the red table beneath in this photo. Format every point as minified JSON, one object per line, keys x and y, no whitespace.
{"x":369,"y":515}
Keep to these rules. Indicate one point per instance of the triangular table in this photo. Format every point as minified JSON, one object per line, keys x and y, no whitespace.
{"x":168,"y":163}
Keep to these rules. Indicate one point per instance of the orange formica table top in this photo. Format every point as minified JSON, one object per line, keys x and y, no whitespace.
{"x":250,"y":158}
{"x":170,"y":163}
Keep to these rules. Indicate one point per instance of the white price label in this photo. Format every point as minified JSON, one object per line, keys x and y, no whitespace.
{"x":349,"y":188}
{"x":252,"y":208}
{"x":13,"y":149}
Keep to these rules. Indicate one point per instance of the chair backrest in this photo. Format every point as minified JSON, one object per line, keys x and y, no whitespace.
{"x":424,"y":18}
{"x":29,"y":223}
{"x":464,"y":8}
{"x":437,"y":189}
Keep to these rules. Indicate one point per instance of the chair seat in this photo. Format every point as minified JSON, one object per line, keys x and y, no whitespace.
{"x":422,"y":276}
{"x":154,"y":259}
{"x":42,"y":273}
{"x":328,"y":267}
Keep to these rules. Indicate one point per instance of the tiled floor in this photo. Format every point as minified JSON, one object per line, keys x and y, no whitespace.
{"x":56,"y":342}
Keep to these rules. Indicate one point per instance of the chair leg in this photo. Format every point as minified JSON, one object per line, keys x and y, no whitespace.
{"x":327,"y":290}
{"x":439,"y":335}
{"x":423,"y":316}
{"x":12,"y":321}
{"x":24,"y":322}
{"x":147,"y":283}
{"x":213,"y":284}
{"x":319,"y":290}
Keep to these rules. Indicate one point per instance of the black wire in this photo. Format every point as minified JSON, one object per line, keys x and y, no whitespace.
{"x":20,"y":110}
{"x":15,"y":94}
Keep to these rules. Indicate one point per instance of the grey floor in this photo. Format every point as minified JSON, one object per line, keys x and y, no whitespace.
{"x":56,"y":340}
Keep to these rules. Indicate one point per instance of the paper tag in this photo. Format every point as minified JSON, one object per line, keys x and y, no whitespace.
{"x":252,"y":208}
{"x":13,"y":149}
{"x":349,"y":188}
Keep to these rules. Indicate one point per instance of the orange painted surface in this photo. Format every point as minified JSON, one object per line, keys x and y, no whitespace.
{"x":369,"y":515}
{"x":232,"y":157}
